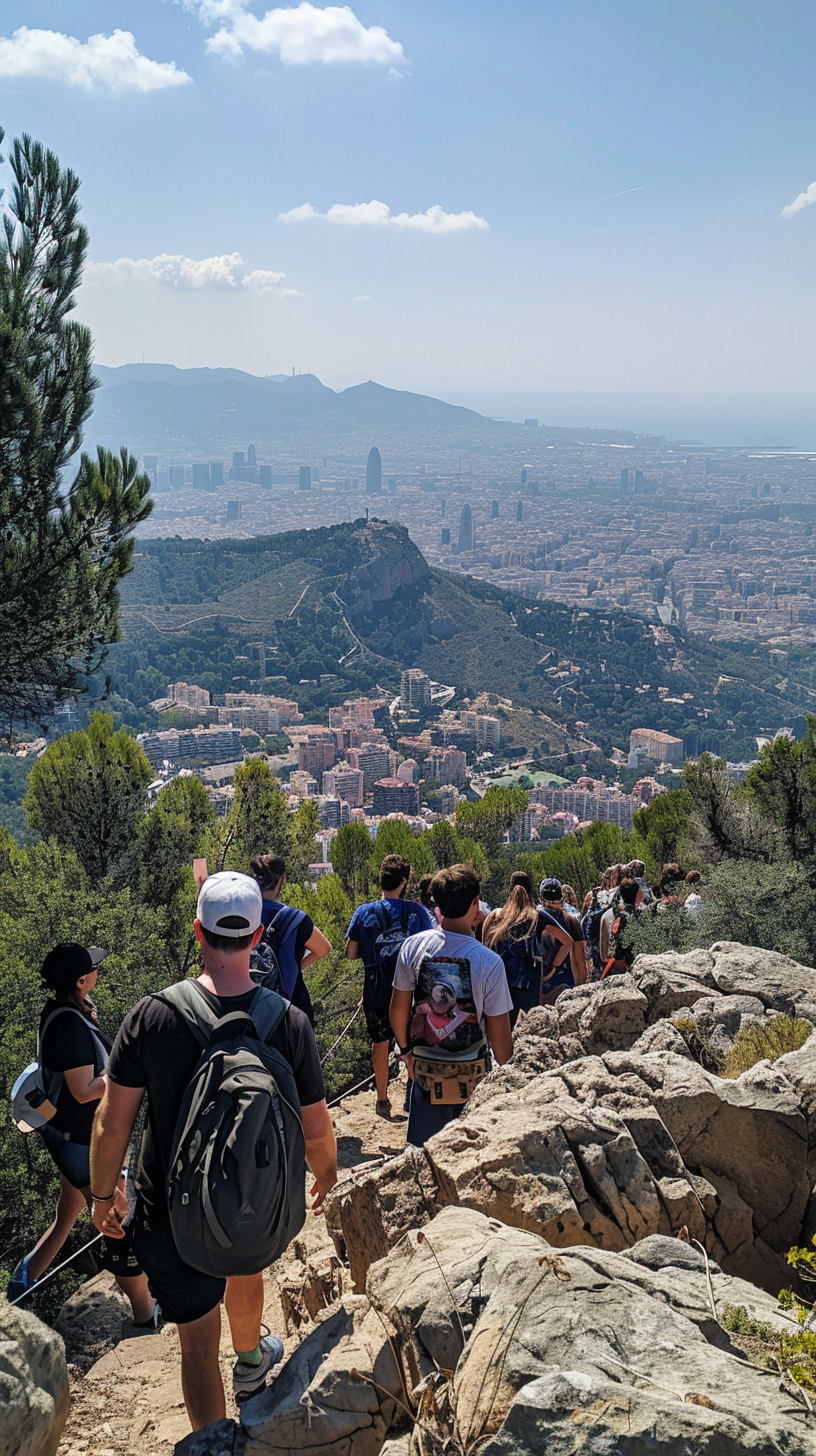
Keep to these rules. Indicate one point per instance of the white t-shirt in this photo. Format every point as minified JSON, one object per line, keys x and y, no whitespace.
{"x":456,"y":982}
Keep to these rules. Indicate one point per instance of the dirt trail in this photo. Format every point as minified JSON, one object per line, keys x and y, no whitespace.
{"x":125,"y":1384}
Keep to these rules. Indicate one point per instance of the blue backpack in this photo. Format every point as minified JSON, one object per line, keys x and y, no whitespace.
{"x":391,"y":935}
{"x":523,"y":960}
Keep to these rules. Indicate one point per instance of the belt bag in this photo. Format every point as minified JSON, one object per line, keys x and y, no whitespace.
{"x":449,"y":1084}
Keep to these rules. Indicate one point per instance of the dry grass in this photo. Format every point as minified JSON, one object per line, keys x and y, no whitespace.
{"x":765,"y":1043}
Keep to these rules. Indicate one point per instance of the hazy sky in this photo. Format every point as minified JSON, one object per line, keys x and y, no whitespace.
{"x":583,"y":195}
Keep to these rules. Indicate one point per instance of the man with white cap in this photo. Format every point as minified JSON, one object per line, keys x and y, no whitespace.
{"x":156,"y":1051}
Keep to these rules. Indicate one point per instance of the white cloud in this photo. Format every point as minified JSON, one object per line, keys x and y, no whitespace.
{"x":174,"y":270}
{"x":104,"y":62}
{"x":805,"y":199}
{"x":300,"y":35}
{"x":379,"y":214}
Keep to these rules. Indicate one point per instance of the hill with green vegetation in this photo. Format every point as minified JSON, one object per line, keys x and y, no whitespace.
{"x":345,"y":608}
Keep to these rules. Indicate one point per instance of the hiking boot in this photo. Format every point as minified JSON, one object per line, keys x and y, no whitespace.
{"x":20,"y":1281}
{"x":248,"y":1380}
{"x":383,"y":1108}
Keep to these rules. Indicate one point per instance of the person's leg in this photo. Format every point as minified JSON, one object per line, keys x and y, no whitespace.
{"x":142,"y":1302}
{"x":70,"y":1205}
{"x":426,"y":1117}
{"x":243,"y":1301}
{"x":201,"y":1380}
{"x":379,"y":1061}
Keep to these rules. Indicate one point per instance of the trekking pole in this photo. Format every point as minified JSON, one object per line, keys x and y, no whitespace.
{"x":52,"y":1272}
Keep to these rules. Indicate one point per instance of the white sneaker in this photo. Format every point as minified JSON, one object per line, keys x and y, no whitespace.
{"x":248,"y":1380}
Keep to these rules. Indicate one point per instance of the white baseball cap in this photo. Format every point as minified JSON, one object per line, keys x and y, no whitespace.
{"x":230,"y":904}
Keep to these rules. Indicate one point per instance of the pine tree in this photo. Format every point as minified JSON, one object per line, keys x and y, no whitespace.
{"x":62,"y":553}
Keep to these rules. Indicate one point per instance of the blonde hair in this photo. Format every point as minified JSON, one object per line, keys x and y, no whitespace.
{"x":519,"y":909}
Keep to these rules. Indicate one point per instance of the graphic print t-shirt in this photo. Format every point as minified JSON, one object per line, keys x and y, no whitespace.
{"x":456,"y":982}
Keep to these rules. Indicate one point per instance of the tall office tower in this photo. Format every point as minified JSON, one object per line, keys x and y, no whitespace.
{"x":201,"y":477}
{"x":466,"y":529}
{"x":238,"y":461}
{"x":520,"y":510}
{"x":305,"y":477}
{"x":624,"y":481}
{"x":445,"y":536}
{"x":265,"y":477}
{"x":233,"y":510}
{"x":150,"y":464}
{"x":216,"y":473}
{"x":373,"y":472}
{"x":494,"y":510}
{"x":252,"y":458}
{"x":176,"y":477}
{"x":444,"y":505}
{"x":639,"y":482}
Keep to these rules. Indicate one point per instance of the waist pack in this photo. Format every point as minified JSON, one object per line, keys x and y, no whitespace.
{"x":35,"y":1094}
{"x":236,"y":1178}
{"x":449,"y":1083}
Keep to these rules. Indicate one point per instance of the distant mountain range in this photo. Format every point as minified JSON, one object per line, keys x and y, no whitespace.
{"x":153,"y":406}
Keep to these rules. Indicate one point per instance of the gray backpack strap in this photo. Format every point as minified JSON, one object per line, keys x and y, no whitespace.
{"x":58,"y":1011}
{"x":187,"y":1000}
{"x":267,"y":1010}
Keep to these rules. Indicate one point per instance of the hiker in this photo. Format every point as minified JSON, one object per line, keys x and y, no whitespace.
{"x":450,"y":1004}
{"x":636,"y":870}
{"x":291,"y":941}
{"x":74,"y":1051}
{"x":165,"y":1046}
{"x":573,"y":972}
{"x":375,"y":934}
{"x":617,"y":957}
{"x":517,"y":933}
{"x":422,"y":892}
{"x":694,"y":901}
{"x":569,"y":899}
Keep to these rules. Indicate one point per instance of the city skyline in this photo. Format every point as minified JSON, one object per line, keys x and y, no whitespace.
{"x":536,"y":201}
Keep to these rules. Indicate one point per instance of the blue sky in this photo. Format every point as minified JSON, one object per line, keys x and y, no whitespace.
{"x":522,"y":123}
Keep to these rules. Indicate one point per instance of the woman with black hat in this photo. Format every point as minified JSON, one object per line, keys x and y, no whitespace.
{"x":75,"y":1048}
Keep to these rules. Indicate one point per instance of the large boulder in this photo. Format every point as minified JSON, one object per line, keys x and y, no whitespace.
{"x":779,"y":983}
{"x":604,"y":1151}
{"x":33,"y":1385}
{"x":582,"y":1349}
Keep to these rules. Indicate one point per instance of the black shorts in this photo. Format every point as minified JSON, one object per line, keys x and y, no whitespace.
{"x":182,"y":1293}
{"x":377,"y":1023}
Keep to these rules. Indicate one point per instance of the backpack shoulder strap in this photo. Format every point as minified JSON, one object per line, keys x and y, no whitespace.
{"x":193,"y":1007}
{"x":52,"y":1016}
{"x":267,"y":1010}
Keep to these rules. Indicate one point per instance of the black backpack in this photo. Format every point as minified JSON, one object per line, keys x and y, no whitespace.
{"x":388,"y":942}
{"x":620,"y":956}
{"x":523,"y":960}
{"x":237,"y":1172}
{"x":591,"y":927}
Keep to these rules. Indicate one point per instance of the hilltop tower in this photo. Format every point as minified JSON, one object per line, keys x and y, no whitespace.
{"x":373,"y":472}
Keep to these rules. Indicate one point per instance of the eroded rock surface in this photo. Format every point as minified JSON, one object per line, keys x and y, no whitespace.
{"x":33,"y":1385}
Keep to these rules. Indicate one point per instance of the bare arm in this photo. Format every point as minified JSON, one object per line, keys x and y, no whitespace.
{"x":83,"y":1084}
{"x":399,"y":1014}
{"x":579,"y":965}
{"x":500,"y":1036}
{"x":321,"y":1150}
{"x":352,"y":950}
{"x":317,"y":946}
{"x":112,"y":1127}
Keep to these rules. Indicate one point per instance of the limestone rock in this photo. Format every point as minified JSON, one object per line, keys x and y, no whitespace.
{"x":317,"y":1404}
{"x":737,"y":970}
{"x":224,"y":1438}
{"x":33,"y":1385}
{"x":587,"y":1350}
{"x":609,"y":1016}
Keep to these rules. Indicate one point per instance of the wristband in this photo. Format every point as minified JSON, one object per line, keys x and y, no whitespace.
{"x":108,"y":1199}
{"x":405,"y":1051}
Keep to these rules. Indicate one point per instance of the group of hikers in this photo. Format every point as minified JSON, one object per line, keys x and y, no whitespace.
{"x":236,"y":1105}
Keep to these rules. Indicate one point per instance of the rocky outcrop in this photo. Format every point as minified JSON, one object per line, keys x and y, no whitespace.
{"x":33,"y":1385}
{"x":580,"y":1350}
{"x":778,"y":983}
{"x":634,"y":1140}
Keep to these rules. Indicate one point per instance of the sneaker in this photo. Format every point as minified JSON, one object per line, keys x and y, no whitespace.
{"x":248,"y":1380}
{"x":20,"y":1282}
{"x":383,"y":1108}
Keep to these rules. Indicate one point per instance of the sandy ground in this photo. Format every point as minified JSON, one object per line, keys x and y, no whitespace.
{"x":125,"y":1384}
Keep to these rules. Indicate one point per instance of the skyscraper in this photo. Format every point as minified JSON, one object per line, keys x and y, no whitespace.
{"x":520,"y":510}
{"x":466,"y":529}
{"x":305,"y":477}
{"x":624,"y":481}
{"x":373,"y":472}
{"x":252,"y":458}
{"x":494,"y":510}
{"x":201,"y":477}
